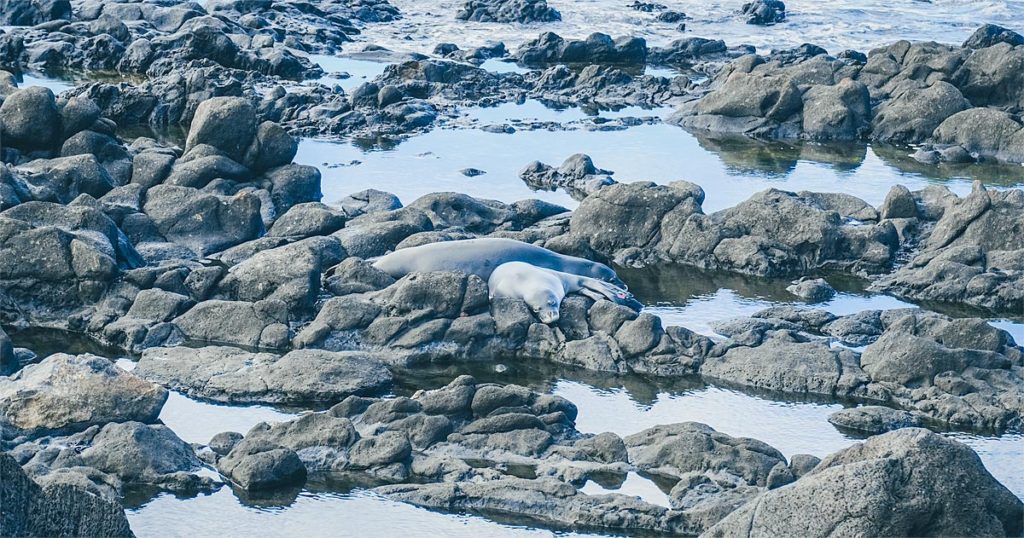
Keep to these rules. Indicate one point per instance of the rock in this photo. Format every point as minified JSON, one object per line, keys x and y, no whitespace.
{"x":259,"y":325}
{"x":546,"y":499}
{"x":899,"y":204}
{"x":59,"y":510}
{"x":307,"y":220}
{"x":356,"y":276}
{"x":764,"y":12}
{"x":158,"y":305}
{"x":226,"y":123}
{"x":989,"y":35}
{"x":369,"y":201}
{"x":271,"y":147}
{"x":293,"y":184}
{"x":63,"y":179}
{"x":910,"y":481}
{"x":7,"y":357}
{"x":205,"y":223}
{"x":873,"y":419}
{"x":315,"y":437}
{"x":66,"y":393}
{"x":380,"y":450}
{"x":991,"y":77}
{"x":30,"y":119}
{"x":838,"y":112}
{"x":223,"y":442}
{"x":598,"y":48}
{"x":801,"y":464}
{"x":912,"y":115}
{"x":676,"y":449}
{"x":798,"y":366}
{"x":748,"y":95}
{"x":814,"y":290}
{"x":640,"y":223}
{"x":290,"y":273}
{"x":256,"y":466}
{"x":986,"y":131}
{"x":78,"y":114}
{"x":141,"y":454}
{"x":521,"y":11}
{"x":232,"y":375}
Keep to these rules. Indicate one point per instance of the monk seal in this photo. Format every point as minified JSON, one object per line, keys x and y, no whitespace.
{"x":543,"y":289}
{"x":482,"y":255}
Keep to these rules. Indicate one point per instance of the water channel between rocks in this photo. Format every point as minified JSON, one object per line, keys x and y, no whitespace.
{"x":728,"y":170}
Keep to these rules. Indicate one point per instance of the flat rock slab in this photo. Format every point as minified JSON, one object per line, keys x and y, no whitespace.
{"x":232,"y":375}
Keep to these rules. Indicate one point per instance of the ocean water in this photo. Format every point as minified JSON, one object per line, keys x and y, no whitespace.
{"x":833,"y":24}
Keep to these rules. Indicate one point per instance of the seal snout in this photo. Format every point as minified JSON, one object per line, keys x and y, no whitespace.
{"x":548,"y":316}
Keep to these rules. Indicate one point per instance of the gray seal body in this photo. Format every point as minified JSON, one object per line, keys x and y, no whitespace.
{"x":543,"y":289}
{"x":483,"y":255}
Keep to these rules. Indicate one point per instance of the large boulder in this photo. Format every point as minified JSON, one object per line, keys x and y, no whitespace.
{"x":63,"y":179}
{"x":59,"y":510}
{"x":262,"y":324}
{"x":289,"y":273}
{"x":232,"y":375}
{"x":72,"y":392}
{"x":30,"y":120}
{"x":838,"y":112}
{"x":910,"y":482}
{"x":986,"y":131}
{"x":226,"y":123}
{"x":674,"y":450}
{"x":203,"y":222}
{"x":910,"y":116}
{"x":597,"y":48}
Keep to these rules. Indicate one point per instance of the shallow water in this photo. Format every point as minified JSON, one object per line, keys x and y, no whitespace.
{"x":357,"y":513}
{"x":790,"y":426}
{"x":833,"y":24}
{"x":729,"y":171}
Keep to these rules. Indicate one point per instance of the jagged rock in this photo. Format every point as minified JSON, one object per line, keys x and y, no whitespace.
{"x":764,"y":12}
{"x":59,"y":510}
{"x":203,"y":222}
{"x":877,"y":488}
{"x":598,"y":48}
{"x":521,"y":11}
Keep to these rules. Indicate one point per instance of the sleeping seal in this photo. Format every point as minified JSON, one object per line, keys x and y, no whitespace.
{"x":543,"y":289}
{"x":481,"y":256}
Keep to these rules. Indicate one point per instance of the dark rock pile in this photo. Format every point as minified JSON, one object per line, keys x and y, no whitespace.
{"x":964,"y":100}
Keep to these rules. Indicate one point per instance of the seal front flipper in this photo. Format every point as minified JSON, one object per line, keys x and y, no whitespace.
{"x":599,"y":289}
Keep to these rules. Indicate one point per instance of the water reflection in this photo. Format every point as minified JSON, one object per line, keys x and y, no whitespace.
{"x":356,"y":513}
{"x":729,"y":170}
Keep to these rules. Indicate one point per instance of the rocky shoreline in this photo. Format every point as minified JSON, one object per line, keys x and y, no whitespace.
{"x":216,"y":264}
